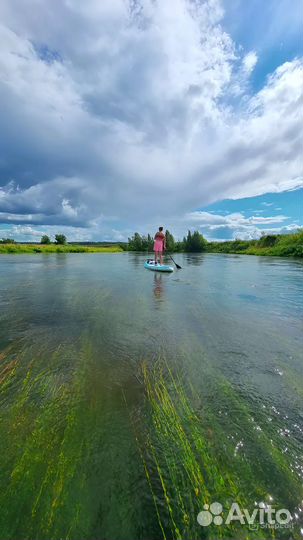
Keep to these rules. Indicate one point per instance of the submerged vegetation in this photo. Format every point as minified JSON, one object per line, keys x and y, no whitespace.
{"x":60,"y":452}
{"x":95,"y":443}
{"x":190,"y":460}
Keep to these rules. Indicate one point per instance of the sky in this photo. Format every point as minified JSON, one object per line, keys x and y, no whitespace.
{"x":124,"y":115}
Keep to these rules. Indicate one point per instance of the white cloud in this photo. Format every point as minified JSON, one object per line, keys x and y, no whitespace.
{"x":254,"y":233}
{"x":232,"y":221}
{"x":141,"y":126}
{"x":235,"y":225}
{"x":25,"y":230}
{"x":68,"y":210}
{"x":27,"y":233}
{"x":249,"y":61}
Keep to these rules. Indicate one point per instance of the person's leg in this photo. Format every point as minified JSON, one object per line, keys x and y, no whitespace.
{"x":161,"y":257}
{"x":156,"y":256}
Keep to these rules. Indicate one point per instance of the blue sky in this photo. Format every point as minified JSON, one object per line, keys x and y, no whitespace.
{"x":271,"y":28}
{"x":270,"y":204}
{"x":121,"y":116}
{"x":286,"y":208}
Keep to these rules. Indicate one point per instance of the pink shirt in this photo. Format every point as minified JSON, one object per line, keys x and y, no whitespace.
{"x":159,"y":242}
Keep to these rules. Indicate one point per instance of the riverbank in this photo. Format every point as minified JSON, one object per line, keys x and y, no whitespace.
{"x":272,"y":245}
{"x":287,"y":245}
{"x":55,"y":248}
{"x":284,"y":245}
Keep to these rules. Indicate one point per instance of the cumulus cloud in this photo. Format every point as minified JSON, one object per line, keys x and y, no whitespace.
{"x":237,"y":225}
{"x":126,"y":109}
{"x":216,"y":221}
{"x":28,"y":233}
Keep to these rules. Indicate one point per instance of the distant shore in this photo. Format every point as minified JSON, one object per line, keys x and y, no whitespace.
{"x":272,"y":245}
{"x":278,"y":245}
{"x":283,"y":245}
{"x":54,"y":248}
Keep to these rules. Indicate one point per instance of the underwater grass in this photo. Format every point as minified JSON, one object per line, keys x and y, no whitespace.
{"x":65,"y":466}
{"x":41,"y":456}
{"x":190,"y":460}
{"x":58,"y":447}
{"x":179,"y":467}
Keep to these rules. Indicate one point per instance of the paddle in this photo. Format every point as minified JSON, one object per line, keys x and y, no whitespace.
{"x":177,"y":265}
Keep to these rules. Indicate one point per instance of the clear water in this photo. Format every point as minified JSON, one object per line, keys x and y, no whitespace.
{"x":82,"y":454}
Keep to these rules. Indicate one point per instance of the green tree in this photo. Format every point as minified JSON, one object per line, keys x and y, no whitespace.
{"x":45,"y":239}
{"x":170,"y":241}
{"x":187,"y":244}
{"x":268,"y":240}
{"x":179,"y":246}
{"x":195,"y":242}
{"x":135,"y":242}
{"x":60,"y":239}
{"x":8,"y":241}
{"x":150,"y":242}
{"x":144,"y":244}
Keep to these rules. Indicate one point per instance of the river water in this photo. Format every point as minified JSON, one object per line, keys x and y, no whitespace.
{"x":130,"y":399}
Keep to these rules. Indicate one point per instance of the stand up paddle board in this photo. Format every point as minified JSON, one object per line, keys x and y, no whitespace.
{"x":150,"y":264}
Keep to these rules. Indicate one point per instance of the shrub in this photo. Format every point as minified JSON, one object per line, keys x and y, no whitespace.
{"x":268,"y":240}
{"x":60,"y":239}
{"x":45,"y":239}
{"x":8,"y":241}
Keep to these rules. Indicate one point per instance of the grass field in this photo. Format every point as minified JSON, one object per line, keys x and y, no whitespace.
{"x":54,"y":248}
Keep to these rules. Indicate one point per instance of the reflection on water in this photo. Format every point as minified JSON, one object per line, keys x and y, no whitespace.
{"x":130,"y":398}
{"x":158,"y":286}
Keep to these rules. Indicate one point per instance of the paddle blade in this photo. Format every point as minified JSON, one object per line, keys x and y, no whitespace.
{"x":177,"y":265}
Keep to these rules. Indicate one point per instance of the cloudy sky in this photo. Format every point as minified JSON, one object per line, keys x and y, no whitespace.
{"x":122,"y":115}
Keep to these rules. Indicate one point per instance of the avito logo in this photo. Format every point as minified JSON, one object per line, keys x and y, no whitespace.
{"x":264,"y":516}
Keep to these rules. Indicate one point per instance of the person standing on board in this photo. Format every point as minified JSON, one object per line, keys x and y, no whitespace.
{"x":159,"y":245}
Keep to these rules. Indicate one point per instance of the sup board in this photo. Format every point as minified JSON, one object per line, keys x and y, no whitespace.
{"x":150,"y":264}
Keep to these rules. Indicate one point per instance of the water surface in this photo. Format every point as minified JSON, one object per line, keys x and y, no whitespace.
{"x":129,"y":398}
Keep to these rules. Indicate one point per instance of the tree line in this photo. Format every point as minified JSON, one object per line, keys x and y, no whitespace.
{"x":284,"y":245}
{"x":193,"y":242}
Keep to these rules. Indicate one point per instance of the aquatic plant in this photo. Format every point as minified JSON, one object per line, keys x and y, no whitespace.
{"x":59,"y":432}
{"x":190,"y":460}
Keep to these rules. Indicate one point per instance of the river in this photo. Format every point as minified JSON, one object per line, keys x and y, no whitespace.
{"x":129,"y":399}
